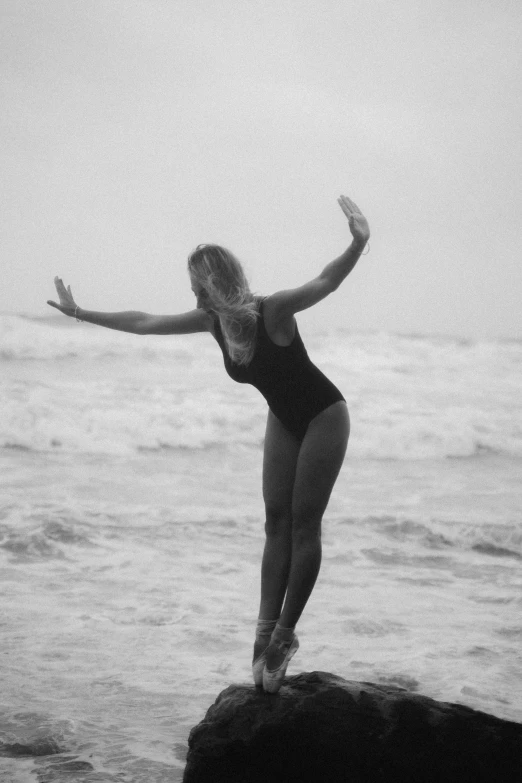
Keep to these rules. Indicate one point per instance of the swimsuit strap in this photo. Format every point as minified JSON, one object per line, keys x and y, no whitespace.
{"x":261,"y":313}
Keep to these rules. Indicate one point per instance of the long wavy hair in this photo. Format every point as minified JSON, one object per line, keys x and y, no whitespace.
{"x":218,"y":272}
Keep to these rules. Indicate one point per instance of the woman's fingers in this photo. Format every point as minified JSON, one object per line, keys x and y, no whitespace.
{"x":60,"y":288}
{"x":344,"y":206}
{"x":351,"y":210}
{"x":65,"y":294}
{"x":349,"y":204}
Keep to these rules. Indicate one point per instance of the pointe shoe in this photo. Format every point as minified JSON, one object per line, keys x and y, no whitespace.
{"x":273,"y":679}
{"x":258,"y":665}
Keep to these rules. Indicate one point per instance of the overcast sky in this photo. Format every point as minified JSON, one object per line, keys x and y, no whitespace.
{"x":132,"y":130}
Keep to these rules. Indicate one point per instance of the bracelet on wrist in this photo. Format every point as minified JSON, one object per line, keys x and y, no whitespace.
{"x":78,"y":320}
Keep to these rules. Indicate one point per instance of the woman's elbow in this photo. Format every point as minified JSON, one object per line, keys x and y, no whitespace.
{"x":142,"y":326}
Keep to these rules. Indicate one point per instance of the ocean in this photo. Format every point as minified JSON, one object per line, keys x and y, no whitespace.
{"x":131,"y":533}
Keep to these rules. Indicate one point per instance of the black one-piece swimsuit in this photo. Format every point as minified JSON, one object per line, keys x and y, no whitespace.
{"x":295,"y":389}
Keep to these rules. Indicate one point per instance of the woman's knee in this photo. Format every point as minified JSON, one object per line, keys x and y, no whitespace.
{"x":306,"y":526}
{"x":278,"y":521}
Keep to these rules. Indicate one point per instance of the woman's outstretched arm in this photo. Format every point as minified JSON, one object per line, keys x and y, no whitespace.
{"x":285,"y":304}
{"x":132,"y":320}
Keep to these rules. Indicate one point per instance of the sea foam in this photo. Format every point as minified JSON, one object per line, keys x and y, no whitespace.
{"x":79,"y":388}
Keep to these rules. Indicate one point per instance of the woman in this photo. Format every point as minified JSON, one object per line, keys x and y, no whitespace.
{"x":308,"y":424}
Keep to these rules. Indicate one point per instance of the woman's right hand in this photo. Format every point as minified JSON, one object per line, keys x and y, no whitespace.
{"x":67,"y":304}
{"x":359,"y":227}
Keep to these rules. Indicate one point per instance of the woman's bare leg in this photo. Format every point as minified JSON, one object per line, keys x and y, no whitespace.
{"x":280,"y":459}
{"x":279,"y":466}
{"x":319,"y":462}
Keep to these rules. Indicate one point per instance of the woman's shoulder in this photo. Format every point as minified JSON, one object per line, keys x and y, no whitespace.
{"x":269,"y":305}
{"x":280,"y":327}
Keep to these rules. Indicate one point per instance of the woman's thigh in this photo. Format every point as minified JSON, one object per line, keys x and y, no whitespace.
{"x":279,"y":466}
{"x":320,"y":459}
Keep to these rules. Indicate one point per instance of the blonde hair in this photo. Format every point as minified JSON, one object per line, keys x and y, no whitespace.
{"x":218,"y":272}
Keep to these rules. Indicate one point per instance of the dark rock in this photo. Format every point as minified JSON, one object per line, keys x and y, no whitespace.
{"x":320,"y":727}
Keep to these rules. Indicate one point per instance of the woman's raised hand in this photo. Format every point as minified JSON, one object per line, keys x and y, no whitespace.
{"x":358,"y":224}
{"x":67,"y":304}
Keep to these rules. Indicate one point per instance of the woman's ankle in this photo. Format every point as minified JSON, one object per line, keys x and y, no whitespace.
{"x":282,"y":633}
{"x":265,"y":628}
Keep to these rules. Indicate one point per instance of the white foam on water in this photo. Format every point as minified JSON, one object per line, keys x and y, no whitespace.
{"x":97,"y":391}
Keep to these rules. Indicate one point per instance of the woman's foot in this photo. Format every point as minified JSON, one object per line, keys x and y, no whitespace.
{"x":258,"y":659}
{"x":278,"y":656}
{"x":264,"y":630}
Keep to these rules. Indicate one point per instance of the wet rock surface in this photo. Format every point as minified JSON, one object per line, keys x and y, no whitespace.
{"x":321,"y":727}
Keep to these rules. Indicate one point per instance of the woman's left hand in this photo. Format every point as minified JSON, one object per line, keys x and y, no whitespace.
{"x":358,"y":224}
{"x":67,"y":304}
